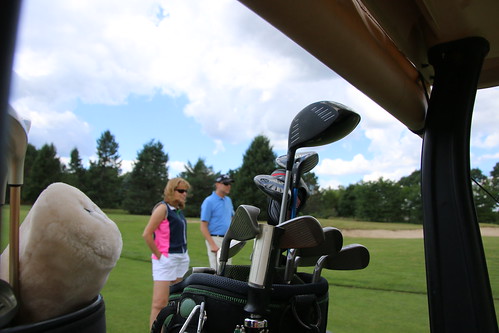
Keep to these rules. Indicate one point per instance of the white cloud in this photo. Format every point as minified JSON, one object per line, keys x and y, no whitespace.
{"x":338,"y":167}
{"x":219,"y":147}
{"x":240,"y":75}
{"x":52,"y":127}
{"x":175,"y":167}
{"x":486,"y":119}
{"x":395,"y":151}
{"x":127,"y":166}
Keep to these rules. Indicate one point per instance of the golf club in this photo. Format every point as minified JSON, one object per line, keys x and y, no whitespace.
{"x":8,"y":303}
{"x":300,"y":232}
{"x":350,"y":257}
{"x":303,"y":164}
{"x":243,"y":227}
{"x":259,"y":281}
{"x":318,"y":124}
{"x":272,"y":186}
{"x":283,"y":159}
{"x":333,"y":241}
{"x":17,"y":144}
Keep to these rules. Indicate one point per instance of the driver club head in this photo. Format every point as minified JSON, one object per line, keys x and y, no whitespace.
{"x":317,"y":124}
{"x":320,"y":123}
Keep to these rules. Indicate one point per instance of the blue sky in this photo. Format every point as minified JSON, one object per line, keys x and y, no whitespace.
{"x":204,"y":78}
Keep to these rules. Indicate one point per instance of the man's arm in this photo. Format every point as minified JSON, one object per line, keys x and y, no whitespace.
{"x":206,"y":233}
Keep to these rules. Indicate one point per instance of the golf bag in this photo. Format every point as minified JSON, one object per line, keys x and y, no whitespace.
{"x":298,"y":307}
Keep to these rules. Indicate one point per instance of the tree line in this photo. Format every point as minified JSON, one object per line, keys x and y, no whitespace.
{"x":137,"y":191}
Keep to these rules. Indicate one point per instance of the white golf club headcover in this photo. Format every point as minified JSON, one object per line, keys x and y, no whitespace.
{"x":68,"y":247}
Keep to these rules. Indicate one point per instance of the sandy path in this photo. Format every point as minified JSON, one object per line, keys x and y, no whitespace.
{"x":418,"y":233}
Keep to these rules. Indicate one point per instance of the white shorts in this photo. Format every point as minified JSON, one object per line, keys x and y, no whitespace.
{"x":170,"y":268}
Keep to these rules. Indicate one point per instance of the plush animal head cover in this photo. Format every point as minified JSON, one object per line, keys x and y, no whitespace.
{"x":68,"y":247}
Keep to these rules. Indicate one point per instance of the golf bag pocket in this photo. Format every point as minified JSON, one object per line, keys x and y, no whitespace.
{"x":292,"y":307}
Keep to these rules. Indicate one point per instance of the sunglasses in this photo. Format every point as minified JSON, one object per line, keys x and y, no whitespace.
{"x":227,"y":184}
{"x":181,"y":191}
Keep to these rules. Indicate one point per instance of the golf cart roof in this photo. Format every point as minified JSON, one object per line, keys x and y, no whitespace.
{"x":381,"y":46}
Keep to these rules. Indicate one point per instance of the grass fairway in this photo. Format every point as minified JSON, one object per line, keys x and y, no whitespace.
{"x":388,"y":296}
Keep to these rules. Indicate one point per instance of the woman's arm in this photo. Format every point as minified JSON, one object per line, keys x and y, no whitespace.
{"x":157,"y":216}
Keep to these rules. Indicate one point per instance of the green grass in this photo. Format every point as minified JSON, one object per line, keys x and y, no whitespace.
{"x":388,"y":296}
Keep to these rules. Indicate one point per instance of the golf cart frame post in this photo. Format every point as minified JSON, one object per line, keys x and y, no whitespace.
{"x":459,"y":293}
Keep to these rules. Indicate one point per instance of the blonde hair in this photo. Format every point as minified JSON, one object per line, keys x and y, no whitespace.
{"x":169,"y":191}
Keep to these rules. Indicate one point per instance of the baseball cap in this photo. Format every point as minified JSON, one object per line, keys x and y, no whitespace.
{"x":224,"y":179}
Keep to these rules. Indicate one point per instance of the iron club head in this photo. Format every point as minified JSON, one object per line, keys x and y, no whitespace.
{"x":301,"y":232}
{"x":243,"y":227}
{"x":350,"y":257}
{"x":333,"y":242}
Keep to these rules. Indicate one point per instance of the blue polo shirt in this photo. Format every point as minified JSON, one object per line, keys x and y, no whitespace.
{"x":218,"y":213}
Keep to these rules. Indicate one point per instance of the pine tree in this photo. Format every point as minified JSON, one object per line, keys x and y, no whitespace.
{"x":258,"y":159}
{"x":201,"y":178}
{"x":75,"y":174}
{"x":103,"y":181}
{"x":29,"y":162}
{"x":145,"y":184}
{"x":46,"y":169}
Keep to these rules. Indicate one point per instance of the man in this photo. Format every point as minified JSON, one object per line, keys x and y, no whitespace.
{"x":216,"y":214}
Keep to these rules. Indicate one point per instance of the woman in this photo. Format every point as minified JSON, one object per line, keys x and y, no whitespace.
{"x":166,"y":236}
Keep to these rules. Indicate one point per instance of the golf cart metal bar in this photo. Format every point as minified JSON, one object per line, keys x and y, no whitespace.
{"x":459,"y":293}
{"x":9,"y":15}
